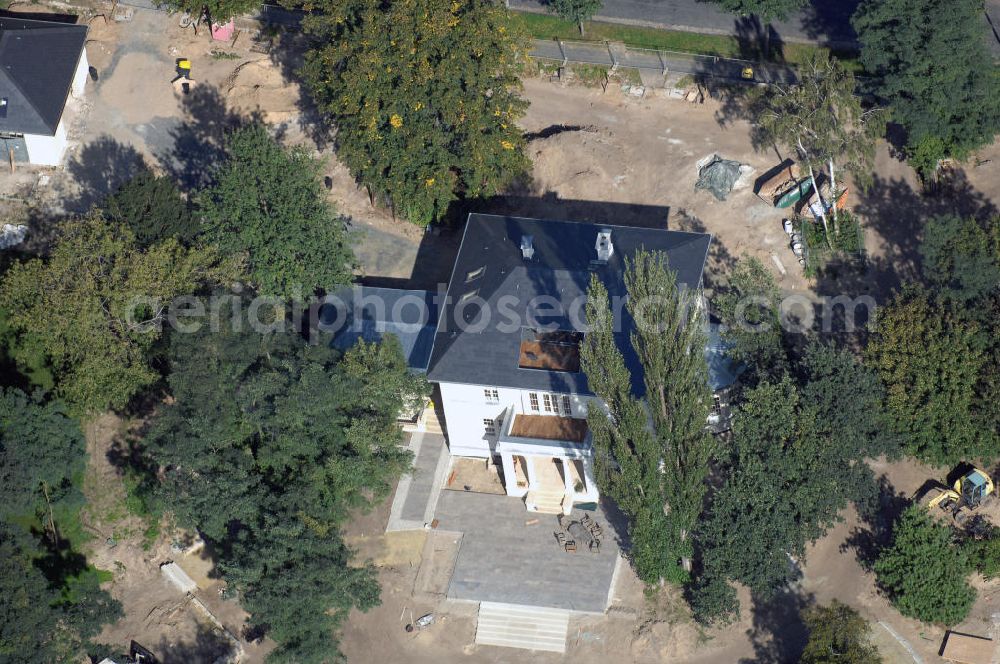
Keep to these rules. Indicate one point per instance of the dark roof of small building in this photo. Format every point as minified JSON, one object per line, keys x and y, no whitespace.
{"x":492,"y":275}
{"x":369,"y":313}
{"x":37,"y":62}
{"x":723,"y":370}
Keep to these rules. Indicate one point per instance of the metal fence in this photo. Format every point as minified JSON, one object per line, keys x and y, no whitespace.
{"x":614,"y":56}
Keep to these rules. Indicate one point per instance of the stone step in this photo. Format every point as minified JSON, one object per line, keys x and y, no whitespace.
{"x":545,"y":501}
{"x":517,"y":626}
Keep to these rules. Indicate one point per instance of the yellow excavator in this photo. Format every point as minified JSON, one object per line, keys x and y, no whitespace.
{"x":973,"y":493}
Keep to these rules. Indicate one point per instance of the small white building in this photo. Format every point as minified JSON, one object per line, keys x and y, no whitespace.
{"x":506,"y":353}
{"x":41,"y":64}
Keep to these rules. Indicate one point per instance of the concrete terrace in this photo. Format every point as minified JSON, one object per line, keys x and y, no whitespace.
{"x":501,"y":559}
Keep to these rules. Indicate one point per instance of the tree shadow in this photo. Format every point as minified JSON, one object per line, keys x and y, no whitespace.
{"x":829,"y":23}
{"x":99,"y":168}
{"x":758,"y":41}
{"x":198,"y":142}
{"x":779,"y":634}
{"x":288,"y":52}
{"x":209,"y":645}
{"x":878,"y":515}
{"x":897,"y":212}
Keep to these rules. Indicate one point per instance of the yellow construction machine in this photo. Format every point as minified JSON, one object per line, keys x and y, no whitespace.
{"x":973,"y":493}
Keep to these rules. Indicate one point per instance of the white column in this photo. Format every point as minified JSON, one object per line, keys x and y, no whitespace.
{"x":529,"y":471}
{"x":568,"y":481}
{"x":588,"y":479}
{"x":567,"y":475}
{"x":509,"y":475}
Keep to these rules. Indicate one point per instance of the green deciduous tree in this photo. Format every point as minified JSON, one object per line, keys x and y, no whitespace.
{"x":931,"y":361}
{"x":41,"y":453}
{"x":751,"y":311}
{"x":51,"y":602}
{"x":984,"y":552}
{"x":961,"y":259}
{"x":838,"y":635}
{"x":822,"y":119}
{"x":796,"y":460}
{"x":94,"y":307}
{"x":928,"y":60}
{"x":424,"y":96}
{"x":767,"y":10}
{"x":220,"y":11}
{"x":153,"y":208}
{"x":924,"y":572}
{"x":268,"y":446}
{"x":656,"y":474}
{"x":577,"y":11}
{"x":269,"y":208}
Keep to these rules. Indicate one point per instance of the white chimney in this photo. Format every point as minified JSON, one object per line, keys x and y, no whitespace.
{"x":604,"y":247}
{"x":527,"y":248}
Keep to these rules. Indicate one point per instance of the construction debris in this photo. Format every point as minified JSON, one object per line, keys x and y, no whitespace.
{"x":718,"y":176}
{"x":178,"y":577}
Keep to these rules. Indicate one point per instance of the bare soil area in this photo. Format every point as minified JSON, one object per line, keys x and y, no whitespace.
{"x":657,"y":628}
{"x":628,"y":161}
{"x":178,"y":627}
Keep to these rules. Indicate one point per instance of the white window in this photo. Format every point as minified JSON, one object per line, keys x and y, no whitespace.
{"x":567,"y":406}
{"x":533,"y":401}
{"x":549,"y":401}
{"x":492,"y":396}
{"x":490,"y":426}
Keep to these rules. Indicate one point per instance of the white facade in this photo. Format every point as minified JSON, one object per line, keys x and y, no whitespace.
{"x":80,"y":76}
{"x":46,"y":150}
{"x":469,"y":409}
{"x":479,"y":419}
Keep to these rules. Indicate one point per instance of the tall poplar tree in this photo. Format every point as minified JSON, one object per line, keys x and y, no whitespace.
{"x":652,"y":455}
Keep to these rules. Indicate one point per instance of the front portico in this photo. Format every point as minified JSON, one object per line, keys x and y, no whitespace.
{"x":548,"y":461}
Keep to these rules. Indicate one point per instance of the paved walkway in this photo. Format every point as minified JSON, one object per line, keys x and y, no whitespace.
{"x":417,"y":492}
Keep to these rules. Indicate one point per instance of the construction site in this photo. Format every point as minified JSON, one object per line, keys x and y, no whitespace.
{"x":662,"y":153}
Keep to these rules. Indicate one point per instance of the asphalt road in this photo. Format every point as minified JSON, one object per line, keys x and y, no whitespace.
{"x":825,"y":21}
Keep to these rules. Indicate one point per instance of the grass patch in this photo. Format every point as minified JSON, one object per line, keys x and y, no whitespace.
{"x":544,"y":26}
{"x":590,"y":75}
{"x":224,"y":55}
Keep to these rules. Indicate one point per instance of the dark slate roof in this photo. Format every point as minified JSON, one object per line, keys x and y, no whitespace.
{"x":561,"y":267}
{"x":365,"y":312}
{"x":37,"y":63}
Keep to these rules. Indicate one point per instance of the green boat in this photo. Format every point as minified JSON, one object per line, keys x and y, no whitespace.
{"x":798,"y":191}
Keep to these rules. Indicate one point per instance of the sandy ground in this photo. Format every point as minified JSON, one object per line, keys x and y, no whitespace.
{"x":641,"y":629}
{"x":156,"y":614}
{"x":632,"y":163}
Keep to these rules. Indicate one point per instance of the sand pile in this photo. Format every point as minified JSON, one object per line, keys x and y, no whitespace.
{"x":258,"y":86}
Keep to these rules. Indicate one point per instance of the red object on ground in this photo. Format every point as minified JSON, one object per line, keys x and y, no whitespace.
{"x":223,"y":31}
